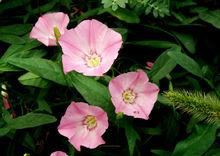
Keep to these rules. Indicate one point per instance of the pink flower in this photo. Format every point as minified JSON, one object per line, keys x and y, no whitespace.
{"x":90,"y":48}
{"x":84,"y":125}
{"x":133,"y":95}
{"x":50,"y":27}
{"x":58,"y":153}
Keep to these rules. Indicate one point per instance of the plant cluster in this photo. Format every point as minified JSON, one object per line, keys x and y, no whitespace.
{"x":109,"y":77}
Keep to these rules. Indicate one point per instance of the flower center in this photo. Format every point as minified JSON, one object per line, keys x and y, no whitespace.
{"x":90,"y":122}
{"x":129,"y":96}
{"x":93,"y":60}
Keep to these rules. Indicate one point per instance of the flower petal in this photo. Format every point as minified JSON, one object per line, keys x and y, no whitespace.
{"x":58,"y":153}
{"x":84,"y":137}
{"x":72,"y":63}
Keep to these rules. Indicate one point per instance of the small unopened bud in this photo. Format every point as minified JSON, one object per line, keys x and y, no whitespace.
{"x":119,"y":115}
{"x":4,"y":94}
{"x":4,"y":87}
{"x":149,"y":65}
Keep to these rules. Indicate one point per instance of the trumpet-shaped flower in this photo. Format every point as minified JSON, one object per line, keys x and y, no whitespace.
{"x":90,"y":48}
{"x":133,"y":95}
{"x":50,"y":27}
{"x":84,"y":125}
{"x":58,"y":153}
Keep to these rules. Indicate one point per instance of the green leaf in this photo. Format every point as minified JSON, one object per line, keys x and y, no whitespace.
{"x":187,"y":40}
{"x":107,"y":3}
{"x":4,"y":67}
{"x":152,"y":131}
{"x":125,"y":15}
{"x":30,"y":120}
{"x":42,"y":103}
{"x":4,"y":131}
{"x":92,"y":91}
{"x":131,"y":135}
{"x":161,"y":152}
{"x":15,"y":49}
{"x":121,"y":3}
{"x":163,"y":65}
{"x":28,"y":141}
{"x":31,"y":79}
{"x":212,"y":17}
{"x":213,"y":152}
{"x":87,"y":14}
{"x":186,"y":62}
{"x":12,"y":39}
{"x":154,"y":44}
{"x":10,"y":4}
{"x":42,"y":67}
{"x":16,"y":29}
{"x":44,"y":8}
{"x":198,"y":142}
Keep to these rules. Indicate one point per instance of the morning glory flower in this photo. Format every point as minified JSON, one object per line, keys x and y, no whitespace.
{"x":50,"y":27}
{"x":133,"y":95}
{"x":90,"y":48}
{"x":84,"y":125}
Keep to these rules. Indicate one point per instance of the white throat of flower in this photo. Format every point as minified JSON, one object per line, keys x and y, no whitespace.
{"x":90,"y":122}
{"x":129,"y":96}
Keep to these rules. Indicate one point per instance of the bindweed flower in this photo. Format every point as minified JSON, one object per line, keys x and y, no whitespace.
{"x":133,"y":95}
{"x":58,"y":153}
{"x":84,"y":125}
{"x":49,"y":28}
{"x":90,"y":48}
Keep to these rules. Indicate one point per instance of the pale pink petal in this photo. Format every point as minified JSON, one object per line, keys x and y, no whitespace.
{"x":67,"y":126}
{"x":58,"y":153}
{"x":72,"y":38}
{"x":111,"y":52}
{"x":102,"y":123}
{"x":69,"y":49}
{"x":130,"y":109}
{"x":42,"y":37}
{"x":111,"y":38}
{"x":72,"y":63}
{"x":116,"y":88}
{"x":57,"y":19}
{"x":82,"y":32}
{"x":147,"y":98}
{"x":96,"y":36}
{"x":140,"y":82}
{"x":125,"y":79}
{"x":119,"y":104}
{"x":84,"y":137}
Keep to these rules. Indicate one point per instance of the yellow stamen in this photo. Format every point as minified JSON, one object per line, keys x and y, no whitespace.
{"x":129,"y":96}
{"x":90,"y":122}
{"x":93,"y":61}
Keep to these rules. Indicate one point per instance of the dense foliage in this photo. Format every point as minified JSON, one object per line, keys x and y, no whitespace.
{"x":180,"y":38}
